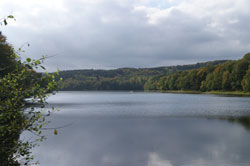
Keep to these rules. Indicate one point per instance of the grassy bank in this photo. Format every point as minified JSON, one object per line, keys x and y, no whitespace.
{"x":228,"y":93}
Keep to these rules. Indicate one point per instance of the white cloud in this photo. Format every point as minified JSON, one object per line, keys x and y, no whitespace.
{"x":156,"y":160}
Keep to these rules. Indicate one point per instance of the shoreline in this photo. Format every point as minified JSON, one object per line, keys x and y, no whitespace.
{"x":226,"y":93}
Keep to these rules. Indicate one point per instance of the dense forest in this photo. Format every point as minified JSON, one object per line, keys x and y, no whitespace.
{"x":228,"y":76}
{"x":221,"y":75}
{"x":121,"y":79}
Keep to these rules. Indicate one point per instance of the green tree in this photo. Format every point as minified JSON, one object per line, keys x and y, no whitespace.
{"x":7,"y":57}
{"x":246,"y":81}
{"x":226,"y":81}
{"x":18,"y":81}
{"x":239,"y":70}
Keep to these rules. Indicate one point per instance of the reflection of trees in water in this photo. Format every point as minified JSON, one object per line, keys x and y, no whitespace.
{"x":244,"y":121}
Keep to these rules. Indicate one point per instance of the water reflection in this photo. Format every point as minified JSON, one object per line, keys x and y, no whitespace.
{"x":156,"y":135}
{"x":145,"y":141}
{"x":244,"y":121}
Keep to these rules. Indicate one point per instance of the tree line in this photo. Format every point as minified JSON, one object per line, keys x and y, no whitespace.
{"x":123,"y":78}
{"x":228,"y":76}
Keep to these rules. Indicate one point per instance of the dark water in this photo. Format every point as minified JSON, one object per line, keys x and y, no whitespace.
{"x":147,"y":129}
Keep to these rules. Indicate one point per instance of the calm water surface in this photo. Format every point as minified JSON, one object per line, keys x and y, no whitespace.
{"x":147,"y":129}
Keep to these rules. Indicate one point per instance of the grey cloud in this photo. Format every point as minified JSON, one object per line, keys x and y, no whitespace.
{"x":107,"y":34}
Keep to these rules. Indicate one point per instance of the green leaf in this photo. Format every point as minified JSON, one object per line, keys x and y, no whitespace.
{"x":55,"y":132}
{"x":10,"y":16}
{"x":37,"y":62}
{"x":28,"y":59}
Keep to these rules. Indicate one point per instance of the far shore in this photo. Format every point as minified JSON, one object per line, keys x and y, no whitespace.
{"x":229,"y":93}
{"x":226,"y":93}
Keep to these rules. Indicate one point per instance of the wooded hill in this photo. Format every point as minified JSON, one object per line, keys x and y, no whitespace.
{"x":123,"y":78}
{"x":228,"y":76}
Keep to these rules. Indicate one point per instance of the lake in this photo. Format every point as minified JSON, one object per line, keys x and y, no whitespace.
{"x":147,"y":129}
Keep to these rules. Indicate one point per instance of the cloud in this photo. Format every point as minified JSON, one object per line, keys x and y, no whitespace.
{"x":155,"y":160}
{"x":130,"y":33}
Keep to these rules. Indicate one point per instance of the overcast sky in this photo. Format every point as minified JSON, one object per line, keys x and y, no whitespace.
{"x":107,"y":34}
